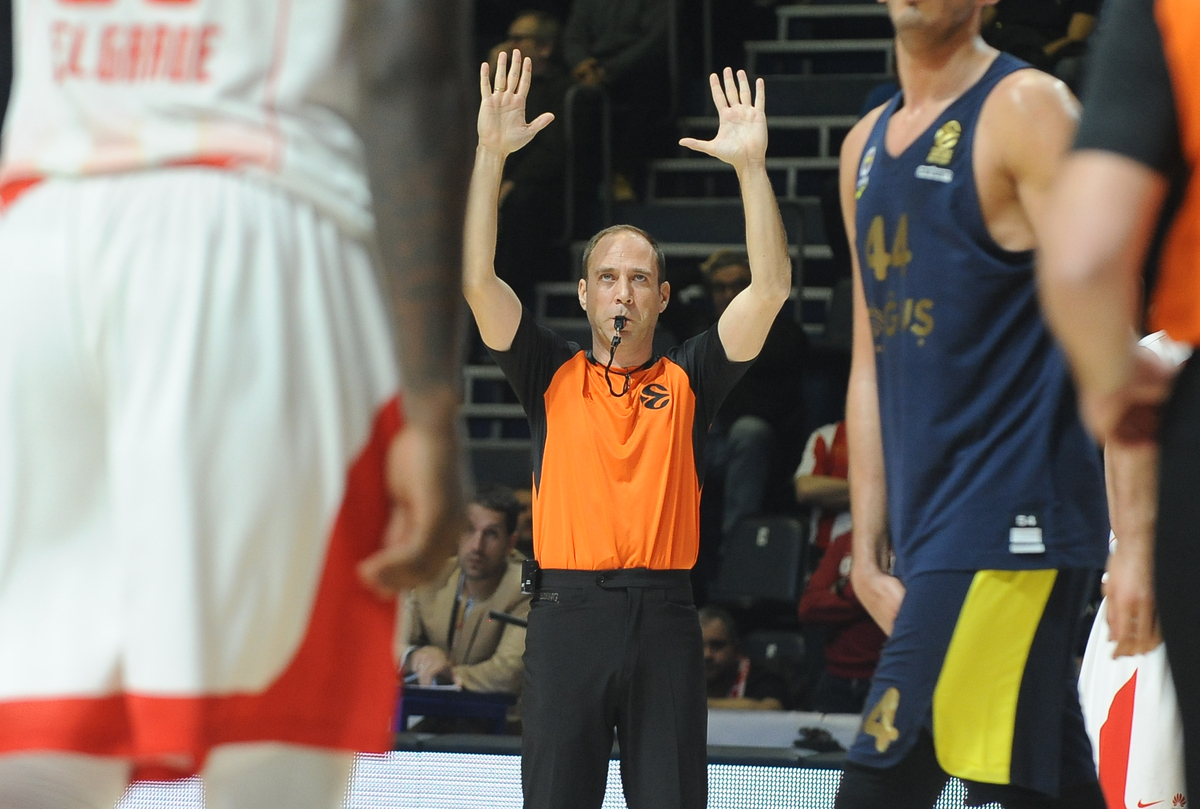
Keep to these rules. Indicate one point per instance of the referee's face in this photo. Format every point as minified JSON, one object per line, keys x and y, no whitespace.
{"x":623,"y":280}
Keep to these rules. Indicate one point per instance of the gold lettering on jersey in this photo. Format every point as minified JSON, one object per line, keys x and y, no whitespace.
{"x":128,"y":53}
{"x":944,"y":141}
{"x":911,"y":315}
{"x":880,"y":722}
{"x":878,"y":257}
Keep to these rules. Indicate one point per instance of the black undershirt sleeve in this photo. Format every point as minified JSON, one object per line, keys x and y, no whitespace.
{"x":1128,"y":105}
{"x":531,"y":361}
{"x":711,"y":373}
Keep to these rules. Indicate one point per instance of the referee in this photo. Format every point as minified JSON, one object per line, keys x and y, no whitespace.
{"x":618,"y":449}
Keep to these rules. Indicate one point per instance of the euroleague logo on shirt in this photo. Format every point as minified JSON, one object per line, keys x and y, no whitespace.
{"x":655,"y":396}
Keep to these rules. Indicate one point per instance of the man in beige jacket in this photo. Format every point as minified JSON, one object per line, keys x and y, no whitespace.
{"x":448,"y":633}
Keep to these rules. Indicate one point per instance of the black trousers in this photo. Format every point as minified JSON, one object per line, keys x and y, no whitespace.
{"x":614,"y":650}
{"x":1177,"y":556}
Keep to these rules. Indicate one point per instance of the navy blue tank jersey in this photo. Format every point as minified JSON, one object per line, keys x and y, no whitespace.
{"x":987,"y":463}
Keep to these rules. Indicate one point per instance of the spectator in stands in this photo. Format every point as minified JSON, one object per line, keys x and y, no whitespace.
{"x":823,"y":485}
{"x":529,"y":241}
{"x":733,"y":681}
{"x":525,"y":522}
{"x":832,"y":617}
{"x":1045,"y":33}
{"x":623,"y":48}
{"x":853,"y":641}
{"x":449,"y":636}
{"x":757,"y":430}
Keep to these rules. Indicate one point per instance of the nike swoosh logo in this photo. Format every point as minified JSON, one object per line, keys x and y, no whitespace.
{"x":1144,"y":805}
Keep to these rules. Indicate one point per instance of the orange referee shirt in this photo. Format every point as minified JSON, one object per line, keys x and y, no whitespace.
{"x":617,"y":479}
{"x":1177,"y":297}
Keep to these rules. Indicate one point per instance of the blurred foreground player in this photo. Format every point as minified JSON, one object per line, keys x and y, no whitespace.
{"x":613,"y":639}
{"x":965,"y":447}
{"x":198,"y":388}
{"x":1130,"y":180}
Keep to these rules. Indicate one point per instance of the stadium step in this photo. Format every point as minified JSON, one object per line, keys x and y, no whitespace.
{"x":692,"y":177}
{"x":820,"y":56}
{"x":835,"y":21}
{"x":791,"y":135}
{"x":819,"y":95}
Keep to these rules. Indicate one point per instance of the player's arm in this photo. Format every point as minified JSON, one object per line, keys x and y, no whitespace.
{"x":1089,"y":273}
{"x":1106,"y":205}
{"x":1131,"y":474}
{"x":410,"y":111}
{"x":741,"y":141}
{"x":1089,"y":280}
{"x":878,"y":591}
{"x":502,"y":131}
{"x":825,"y":491}
{"x":1026,"y":128}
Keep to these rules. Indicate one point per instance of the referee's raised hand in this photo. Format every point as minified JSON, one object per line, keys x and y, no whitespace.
{"x":502,"y":127}
{"x":741,"y":139}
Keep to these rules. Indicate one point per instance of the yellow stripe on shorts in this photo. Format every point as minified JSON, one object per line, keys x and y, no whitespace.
{"x":975,"y":700}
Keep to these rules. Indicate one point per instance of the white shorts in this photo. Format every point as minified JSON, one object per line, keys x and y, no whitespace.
{"x":197,"y":389}
{"x":1132,"y":717}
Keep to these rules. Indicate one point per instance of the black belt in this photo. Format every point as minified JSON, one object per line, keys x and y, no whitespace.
{"x":615,"y":579}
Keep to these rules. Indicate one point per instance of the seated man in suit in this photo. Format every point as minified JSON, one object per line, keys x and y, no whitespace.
{"x":447,"y":631}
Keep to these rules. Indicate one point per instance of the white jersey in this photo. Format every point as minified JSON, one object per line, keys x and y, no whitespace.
{"x":1132,"y":718}
{"x":1129,"y":704}
{"x":262,"y":86}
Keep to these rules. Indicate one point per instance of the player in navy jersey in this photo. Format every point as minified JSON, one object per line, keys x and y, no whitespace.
{"x":969,"y":466}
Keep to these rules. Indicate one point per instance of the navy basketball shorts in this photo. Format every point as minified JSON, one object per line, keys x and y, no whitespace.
{"x":984,"y":661}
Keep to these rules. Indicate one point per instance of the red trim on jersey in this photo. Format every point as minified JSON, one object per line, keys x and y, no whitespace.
{"x":1115,"y":736}
{"x":337,"y":691}
{"x":15,"y":188}
{"x":215,"y":161}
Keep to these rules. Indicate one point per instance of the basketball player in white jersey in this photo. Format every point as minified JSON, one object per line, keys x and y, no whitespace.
{"x":1125,"y":684}
{"x":204,"y":440}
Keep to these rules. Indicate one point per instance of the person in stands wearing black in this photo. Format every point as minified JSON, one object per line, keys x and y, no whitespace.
{"x":622,"y":46}
{"x":1045,"y":33}
{"x":529,"y":240}
{"x":734,"y":681}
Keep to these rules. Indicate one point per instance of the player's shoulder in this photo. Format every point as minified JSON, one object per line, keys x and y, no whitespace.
{"x":1028,"y":121}
{"x":1031,"y":97}
{"x":856,"y":138}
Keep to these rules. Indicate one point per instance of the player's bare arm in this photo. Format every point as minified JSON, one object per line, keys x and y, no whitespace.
{"x":412,"y":108}
{"x":1079,"y":280}
{"x":878,"y":591}
{"x":741,"y":141}
{"x":1131,"y":475}
{"x":502,"y":130}
{"x":1025,"y":132}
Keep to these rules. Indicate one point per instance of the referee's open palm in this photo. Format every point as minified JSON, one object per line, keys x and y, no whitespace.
{"x":502,"y":127}
{"x":742,"y":137}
